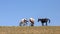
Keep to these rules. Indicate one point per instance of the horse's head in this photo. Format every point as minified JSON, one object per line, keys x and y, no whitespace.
{"x":25,"y":20}
{"x":39,"y":19}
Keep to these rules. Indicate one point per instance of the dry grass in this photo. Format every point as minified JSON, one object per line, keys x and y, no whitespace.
{"x":30,"y":30}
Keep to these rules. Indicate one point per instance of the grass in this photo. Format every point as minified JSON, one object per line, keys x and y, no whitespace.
{"x":30,"y":30}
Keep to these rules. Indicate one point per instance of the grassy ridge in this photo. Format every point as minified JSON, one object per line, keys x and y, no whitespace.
{"x":30,"y":30}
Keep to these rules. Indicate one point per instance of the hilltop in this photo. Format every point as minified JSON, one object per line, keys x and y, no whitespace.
{"x":30,"y":30}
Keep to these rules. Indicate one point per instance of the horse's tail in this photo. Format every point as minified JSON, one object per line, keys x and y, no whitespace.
{"x":49,"y":20}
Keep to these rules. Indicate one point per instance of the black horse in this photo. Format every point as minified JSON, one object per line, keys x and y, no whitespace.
{"x":44,"y":20}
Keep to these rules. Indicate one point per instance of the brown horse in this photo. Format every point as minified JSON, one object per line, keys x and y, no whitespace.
{"x":23,"y":22}
{"x":44,"y":20}
{"x":31,"y":21}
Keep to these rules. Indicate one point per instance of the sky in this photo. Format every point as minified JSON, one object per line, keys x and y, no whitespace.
{"x":12,"y":11}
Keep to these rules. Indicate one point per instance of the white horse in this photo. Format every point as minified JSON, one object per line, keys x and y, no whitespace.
{"x":32,"y":21}
{"x":23,"y":22}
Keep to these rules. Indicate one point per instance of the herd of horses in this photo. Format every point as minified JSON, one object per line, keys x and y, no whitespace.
{"x":24,"y":21}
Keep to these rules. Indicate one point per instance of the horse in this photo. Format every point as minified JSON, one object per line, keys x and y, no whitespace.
{"x":23,"y":22}
{"x":44,"y":20}
{"x":32,"y":21}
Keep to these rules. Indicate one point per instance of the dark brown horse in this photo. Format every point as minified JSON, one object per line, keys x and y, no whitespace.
{"x":31,"y":21}
{"x":44,"y":20}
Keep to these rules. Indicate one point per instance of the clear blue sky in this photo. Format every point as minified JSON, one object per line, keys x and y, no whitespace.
{"x":11,"y":11}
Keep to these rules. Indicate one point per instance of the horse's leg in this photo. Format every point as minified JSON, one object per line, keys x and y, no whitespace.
{"x":23,"y":24}
{"x":42,"y":24}
{"x":46,"y":23}
{"x":20,"y":24}
{"x":32,"y":24}
{"x":26,"y":23}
